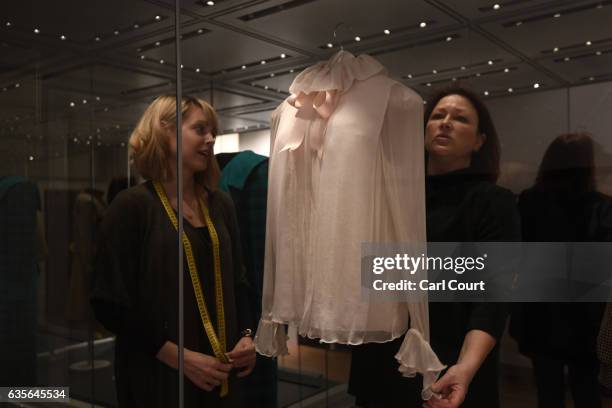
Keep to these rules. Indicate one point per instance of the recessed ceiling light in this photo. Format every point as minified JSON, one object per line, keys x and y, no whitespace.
{"x":84,"y":101}
{"x":387,"y":32}
{"x":423,"y":24}
{"x":105,"y":109}
{"x":31,"y":158}
{"x":506,"y":70}
{"x":243,"y":67}
{"x":142,"y":57}
{"x":566,"y":59}
{"x":197,"y":70}
{"x":428,"y":84}
{"x":556,"y":49}
{"x":291,"y":71}
{"x":8,"y":23}
{"x":591,"y":78}
{"x":136,"y":26}
{"x":588,"y":43}
{"x":283,"y":55}
{"x":17,"y":85}
{"x":410,"y":76}
{"x":97,"y":38}
{"x":266,"y":87}
{"x":486,"y":93}
{"x":157,"y":43}
{"x":157,"y":18}
{"x":478,"y":74}
{"x":357,"y":38}
{"x":496,"y":7}
{"x":454,"y":79}
{"x":182,"y":66}
{"x":330,"y":45}
{"x":463,"y":68}
{"x":510,"y":90}
{"x":161,"y":61}
{"x":598,"y":53}
{"x":72,"y":104}
{"x":518,"y":23}
{"x":200,"y":31}
{"x":536,"y":85}
{"x":272,"y":75}
{"x":434,"y":71}
{"x":490,"y":62}
{"x":36,"y":31}
{"x":116,"y":32}
{"x":63,"y":37}
{"x":424,"y":102}
{"x":210,"y":3}
{"x":263,"y":62}
{"x":449,"y":38}
{"x":4,"y":89}
{"x":557,"y":15}
{"x":98,"y":98}
{"x":599,"y":6}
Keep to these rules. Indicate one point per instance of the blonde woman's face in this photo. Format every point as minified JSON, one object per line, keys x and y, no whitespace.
{"x":198,"y":141}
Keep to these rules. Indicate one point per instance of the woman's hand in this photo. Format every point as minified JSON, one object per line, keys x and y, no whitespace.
{"x":452,"y":387}
{"x":205,"y":371}
{"x":243,"y":356}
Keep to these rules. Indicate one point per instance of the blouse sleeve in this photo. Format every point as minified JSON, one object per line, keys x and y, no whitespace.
{"x":499,"y":222}
{"x":114,"y":296}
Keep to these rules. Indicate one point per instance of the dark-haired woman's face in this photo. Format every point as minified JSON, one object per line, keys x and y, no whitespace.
{"x":451,"y":133}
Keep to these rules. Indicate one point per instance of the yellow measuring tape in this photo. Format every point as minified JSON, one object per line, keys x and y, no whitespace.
{"x":219,"y":344}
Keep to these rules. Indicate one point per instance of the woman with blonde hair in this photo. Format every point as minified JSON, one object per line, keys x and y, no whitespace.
{"x":135,"y":292}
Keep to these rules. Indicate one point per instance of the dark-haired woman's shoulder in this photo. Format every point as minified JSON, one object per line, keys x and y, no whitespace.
{"x":497,"y":213}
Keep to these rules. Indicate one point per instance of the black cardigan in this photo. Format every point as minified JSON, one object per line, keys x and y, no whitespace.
{"x":135,"y":294}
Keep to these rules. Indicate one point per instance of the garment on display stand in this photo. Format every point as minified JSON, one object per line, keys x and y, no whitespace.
{"x":346,"y":168}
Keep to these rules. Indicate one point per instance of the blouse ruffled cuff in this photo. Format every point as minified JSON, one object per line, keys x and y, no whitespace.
{"x":416,"y":356}
{"x":271,"y":339}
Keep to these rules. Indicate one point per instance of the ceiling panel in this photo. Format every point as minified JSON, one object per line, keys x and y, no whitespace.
{"x":312,"y":24}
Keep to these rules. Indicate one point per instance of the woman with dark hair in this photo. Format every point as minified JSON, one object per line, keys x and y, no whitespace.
{"x":563,"y":206}
{"x":463,"y":205}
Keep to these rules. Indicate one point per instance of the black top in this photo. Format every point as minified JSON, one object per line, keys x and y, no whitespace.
{"x":461,"y":207}
{"x":561,"y":330}
{"x":135,"y":294}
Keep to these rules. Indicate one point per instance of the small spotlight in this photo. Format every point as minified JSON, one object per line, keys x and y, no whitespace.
{"x":84,"y":101}
{"x":463,"y":68}
{"x":243,"y":67}
{"x":556,"y":49}
{"x":98,"y":98}
{"x":197,"y":70}
{"x":272,"y":75}
{"x":31,"y":158}
{"x":142,"y":57}
{"x":423,"y":24}
{"x":591,"y":78}
{"x":283,"y":56}
{"x":330,"y":45}
{"x":566,"y":59}
{"x":510,"y":90}
{"x":210,"y":3}
{"x":506,"y":70}
{"x":496,"y":7}
{"x":409,"y":76}
{"x":486,"y":93}
{"x":266,"y":87}
{"x":448,"y":39}
{"x":358,"y":38}
{"x":72,"y":104}
{"x":63,"y":37}
{"x":97,"y":39}
{"x":490,"y":62}
{"x":588,"y":43}
{"x":116,"y":32}
{"x":478,"y":74}
{"x":157,"y":18}
{"x":434,"y":71}
{"x":387,"y":32}
{"x":161,"y":61}
{"x":200,"y":31}
{"x":557,"y":15}
{"x":518,"y":23}
{"x":17,"y":85}
{"x":36,"y":31}
{"x":263,"y":62}
{"x":291,"y":71}
{"x":8,"y":24}
{"x":428,"y":84}
{"x":598,"y":53}
{"x":136,"y":26}
{"x":157,"y":43}
{"x":536,"y":85}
